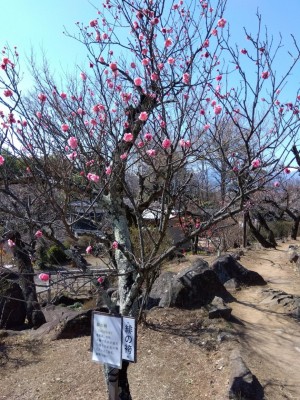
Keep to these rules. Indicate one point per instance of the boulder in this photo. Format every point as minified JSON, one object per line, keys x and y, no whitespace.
{"x":12,"y":304}
{"x":227,"y":268}
{"x":293,"y":253}
{"x":161,"y":291}
{"x":243,"y":384}
{"x":194,"y":286}
{"x":218,"y":309}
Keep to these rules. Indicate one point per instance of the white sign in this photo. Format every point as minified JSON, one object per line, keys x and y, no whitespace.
{"x":107,"y":339}
{"x":129,"y":339}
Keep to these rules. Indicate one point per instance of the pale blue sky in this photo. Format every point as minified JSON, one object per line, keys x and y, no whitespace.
{"x":39,"y":24}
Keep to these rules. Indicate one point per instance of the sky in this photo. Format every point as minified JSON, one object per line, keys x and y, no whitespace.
{"x":38,"y":25}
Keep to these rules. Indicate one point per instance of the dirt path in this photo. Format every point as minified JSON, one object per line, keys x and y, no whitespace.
{"x":270,"y":340}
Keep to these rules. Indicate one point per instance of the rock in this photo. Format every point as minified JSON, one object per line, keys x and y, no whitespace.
{"x":278,"y":299}
{"x":227,"y":268}
{"x":12,"y":304}
{"x":243,"y":384}
{"x":196,"y":286}
{"x":219,"y":309}
{"x":160,"y":294}
{"x":232,"y":284}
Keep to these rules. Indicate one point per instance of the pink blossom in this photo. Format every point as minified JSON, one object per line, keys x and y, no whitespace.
{"x":185,"y":143}
{"x":133,"y":65}
{"x":93,"y":177}
{"x":93,"y":23}
{"x":38,"y":234}
{"x":186,"y":78}
{"x":202,"y":112}
{"x":276,"y":184}
{"x":265,"y":74}
{"x":287,"y":170}
{"x":140,"y":144}
{"x":73,"y":142}
{"x":115,"y":245}
{"x":217,"y":109}
{"x":256,"y":163}
{"x":213,"y":103}
{"x":166,"y":143}
{"x":100,"y":280}
{"x":171,"y":61}
{"x":83,"y":76}
{"x":72,"y":156}
{"x":219,"y":78}
{"x":89,"y":250}
{"x":108,"y":170}
{"x":222,"y":23}
{"x":123,"y":156}
{"x":143,"y":116}
{"x":80,"y":111}
{"x":39,"y":114}
{"x":160,"y":66}
{"x":113,"y":66}
{"x":163,"y":124}
{"x":11,"y":243}
{"x":42,"y":97}
{"x":206,"y":127}
{"x":148,"y":137}
{"x":44,"y":277}
{"x":128,"y":137}
{"x":138,"y":81}
{"x":214,"y":32}
{"x":151,"y":153}
{"x":154,"y":76}
{"x":205,"y":43}
{"x":168,"y":42}
{"x":2,"y":160}
{"x":65,"y":127}
{"x":63,"y":95}
{"x":8,"y":93}
{"x":145,"y":62}
{"x":243,"y":51}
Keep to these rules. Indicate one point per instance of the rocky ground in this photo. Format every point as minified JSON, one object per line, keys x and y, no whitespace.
{"x":181,"y":354}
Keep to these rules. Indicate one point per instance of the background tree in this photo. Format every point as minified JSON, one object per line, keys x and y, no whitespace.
{"x":163,"y":87}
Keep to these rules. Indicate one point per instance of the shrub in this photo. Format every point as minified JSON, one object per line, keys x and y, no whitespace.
{"x":56,"y":255}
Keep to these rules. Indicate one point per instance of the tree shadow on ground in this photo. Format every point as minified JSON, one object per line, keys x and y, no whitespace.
{"x":16,"y":354}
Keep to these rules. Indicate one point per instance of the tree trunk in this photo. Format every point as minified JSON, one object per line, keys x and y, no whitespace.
{"x":295,"y":228}
{"x":34,"y":314}
{"x":258,"y":236}
{"x":263,"y":222}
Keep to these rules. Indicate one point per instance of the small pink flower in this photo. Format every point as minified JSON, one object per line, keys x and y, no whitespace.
{"x":100,"y":280}
{"x":276,"y":184}
{"x":148,"y":137}
{"x":2,"y":160}
{"x":168,"y":42}
{"x":287,"y":170}
{"x":83,"y":76}
{"x":138,"y":81}
{"x":39,"y":114}
{"x":89,"y":250}
{"x":80,"y":111}
{"x":8,"y":93}
{"x":108,"y":170}
{"x":145,"y":62}
{"x":113,"y":66}
{"x":217,"y":109}
{"x":133,"y":65}
{"x":44,"y":277}
{"x":171,"y":61}
{"x":73,"y":142}
{"x":140,"y":144}
{"x":205,"y":43}
{"x":219,"y":78}
{"x":214,"y":32}
{"x":213,"y":103}
{"x":143,"y":116}
{"x":42,"y":97}
{"x":115,"y":245}
{"x":65,"y":127}
{"x":93,"y":23}
{"x":202,"y":112}
{"x":243,"y":51}
{"x":166,"y":143}
{"x":38,"y":234}
{"x":256,"y":163}
{"x":93,"y":177}
{"x":160,"y":66}
{"x":265,"y":74}
{"x":128,"y":137}
{"x":123,"y":156}
{"x":186,"y":78}
{"x":154,"y":76}
{"x":72,"y":156}
{"x":206,"y":127}
{"x":151,"y":153}
{"x":11,"y":243}
{"x":222,"y":23}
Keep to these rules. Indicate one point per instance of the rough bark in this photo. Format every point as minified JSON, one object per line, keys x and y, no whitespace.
{"x":34,"y":314}
{"x":258,"y":236}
